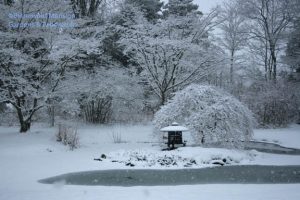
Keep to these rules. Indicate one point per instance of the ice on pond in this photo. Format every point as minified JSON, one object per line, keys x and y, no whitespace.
{"x":250,"y":174}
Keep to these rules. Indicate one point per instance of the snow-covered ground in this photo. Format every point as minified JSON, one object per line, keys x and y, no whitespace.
{"x":282,"y":136}
{"x":26,"y":158}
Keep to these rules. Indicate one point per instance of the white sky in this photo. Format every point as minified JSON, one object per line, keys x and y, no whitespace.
{"x":206,"y":5}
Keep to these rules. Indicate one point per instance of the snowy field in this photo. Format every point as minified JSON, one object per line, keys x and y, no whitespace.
{"x":26,"y":158}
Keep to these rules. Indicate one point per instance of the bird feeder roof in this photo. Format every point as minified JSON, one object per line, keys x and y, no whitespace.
{"x":174,"y":127}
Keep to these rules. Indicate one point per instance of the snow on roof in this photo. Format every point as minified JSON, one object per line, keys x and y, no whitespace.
{"x":174,"y":127}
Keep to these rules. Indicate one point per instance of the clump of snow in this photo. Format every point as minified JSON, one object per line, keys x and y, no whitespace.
{"x":212,"y":115}
{"x":195,"y":157}
{"x":174,"y":127}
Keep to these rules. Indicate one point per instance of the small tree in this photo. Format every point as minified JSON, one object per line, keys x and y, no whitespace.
{"x":213,"y":116}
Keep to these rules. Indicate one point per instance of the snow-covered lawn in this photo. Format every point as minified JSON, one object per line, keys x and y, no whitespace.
{"x":26,"y":158}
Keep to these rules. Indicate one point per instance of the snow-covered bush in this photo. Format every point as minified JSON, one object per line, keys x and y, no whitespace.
{"x":68,"y":136}
{"x":274,"y":105}
{"x":213,"y":116}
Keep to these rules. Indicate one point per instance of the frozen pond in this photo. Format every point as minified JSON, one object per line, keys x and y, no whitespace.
{"x":247,"y":174}
{"x":267,"y":148}
{"x":271,"y":148}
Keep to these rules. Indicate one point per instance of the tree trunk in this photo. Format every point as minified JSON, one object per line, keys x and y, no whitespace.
{"x":231,"y":67}
{"x":25,"y":126}
{"x":94,"y":4}
{"x":163,"y":98}
{"x":273,"y":66}
{"x":274,"y":62}
{"x":51,"y":112}
{"x":82,"y":5}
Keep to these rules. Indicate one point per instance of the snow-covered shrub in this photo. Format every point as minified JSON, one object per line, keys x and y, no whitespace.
{"x":68,"y":136}
{"x":274,"y":105}
{"x":213,"y":116}
{"x":116,"y":137}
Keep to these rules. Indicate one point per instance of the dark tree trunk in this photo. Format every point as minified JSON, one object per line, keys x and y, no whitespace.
{"x":51,"y":112}
{"x":25,"y":123}
{"x":163,"y":98}
{"x":274,"y":62}
{"x":266,"y":61}
{"x":94,"y":4}
{"x":82,"y":5}
{"x":231,"y":66}
{"x":25,"y":126}
{"x":85,"y":8}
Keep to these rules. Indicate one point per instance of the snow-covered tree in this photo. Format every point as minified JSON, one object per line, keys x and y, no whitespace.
{"x":234,"y":34}
{"x":150,"y":8}
{"x":169,"y":65}
{"x":28,"y":76}
{"x":212,"y":115}
{"x":269,"y":20}
{"x":172,"y":53}
{"x":180,"y":7}
{"x":97,"y":87}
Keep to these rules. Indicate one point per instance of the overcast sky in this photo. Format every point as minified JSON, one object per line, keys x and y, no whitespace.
{"x":205,"y":5}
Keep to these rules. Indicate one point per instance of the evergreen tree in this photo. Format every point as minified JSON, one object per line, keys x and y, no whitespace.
{"x":122,"y":23}
{"x":150,"y":8}
{"x":181,"y":8}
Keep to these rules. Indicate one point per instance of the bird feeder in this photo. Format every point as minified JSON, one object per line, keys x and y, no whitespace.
{"x":174,"y":134}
